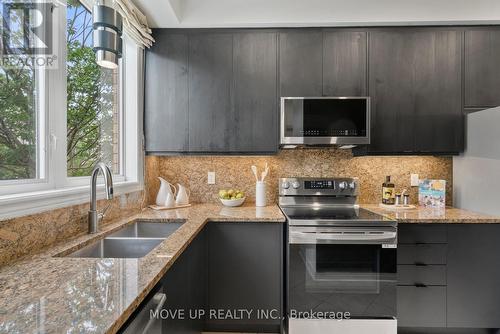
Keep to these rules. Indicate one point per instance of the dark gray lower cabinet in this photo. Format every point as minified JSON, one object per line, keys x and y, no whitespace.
{"x":449,"y":276}
{"x":474,"y":276}
{"x":422,"y":306}
{"x":245,"y":267}
{"x":184,"y":285}
{"x":228,"y":269}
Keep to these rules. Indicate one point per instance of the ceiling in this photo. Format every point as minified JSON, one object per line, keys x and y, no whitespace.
{"x":296,"y":13}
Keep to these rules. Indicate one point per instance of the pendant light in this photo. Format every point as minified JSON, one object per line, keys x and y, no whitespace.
{"x":107,"y":25}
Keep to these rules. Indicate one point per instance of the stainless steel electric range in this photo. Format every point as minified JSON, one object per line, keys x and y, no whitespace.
{"x":341,"y":260}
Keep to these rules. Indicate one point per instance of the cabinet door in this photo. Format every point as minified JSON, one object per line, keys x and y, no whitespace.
{"x":421,"y":306}
{"x":301,"y":54}
{"x":482,"y":67}
{"x":185,"y":289}
{"x":245,"y":272}
{"x":210,"y":82}
{"x":254,"y":125}
{"x":439,"y":118}
{"x":473,"y":276}
{"x":344,"y":63}
{"x":415,"y":85}
{"x":166,"y":97}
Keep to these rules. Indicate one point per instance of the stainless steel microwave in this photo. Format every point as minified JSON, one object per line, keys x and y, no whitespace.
{"x":325,"y":121}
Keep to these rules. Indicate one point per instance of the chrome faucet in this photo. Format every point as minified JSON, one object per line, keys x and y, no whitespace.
{"x":94,"y":215}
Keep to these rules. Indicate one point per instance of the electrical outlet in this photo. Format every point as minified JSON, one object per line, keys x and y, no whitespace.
{"x":211,"y":178}
{"x":414,"y":180}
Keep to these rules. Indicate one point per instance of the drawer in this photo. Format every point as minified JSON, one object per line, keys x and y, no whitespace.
{"x":426,"y":234}
{"x":421,"y":306}
{"x":422,"y":254}
{"x":409,"y":274}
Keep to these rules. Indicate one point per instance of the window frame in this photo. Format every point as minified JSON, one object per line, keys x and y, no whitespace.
{"x":56,"y":189}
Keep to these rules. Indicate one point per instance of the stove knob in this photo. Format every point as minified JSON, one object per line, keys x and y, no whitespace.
{"x":296,"y":185}
{"x":285,"y":185}
{"x":352,"y":185}
{"x":343,"y":185}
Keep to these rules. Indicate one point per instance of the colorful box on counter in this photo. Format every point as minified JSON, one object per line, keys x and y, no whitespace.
{"x":432,"y":193}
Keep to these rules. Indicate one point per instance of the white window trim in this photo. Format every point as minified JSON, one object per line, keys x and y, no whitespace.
{"x":34,"y":196}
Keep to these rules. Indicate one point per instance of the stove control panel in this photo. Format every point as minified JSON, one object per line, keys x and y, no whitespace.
{"x":310,"y":186}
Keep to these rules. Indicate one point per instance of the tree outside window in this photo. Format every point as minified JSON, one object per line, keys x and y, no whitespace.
{"x":93,"y":108}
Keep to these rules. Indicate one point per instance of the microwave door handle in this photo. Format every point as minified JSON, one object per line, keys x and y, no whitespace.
{"x":312,"y":237}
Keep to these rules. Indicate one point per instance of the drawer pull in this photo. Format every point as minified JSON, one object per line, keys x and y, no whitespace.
{"x":420,"y":285}
{"x":420,"y":264}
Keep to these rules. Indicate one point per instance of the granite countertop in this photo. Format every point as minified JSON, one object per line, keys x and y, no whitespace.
{"x":423,"y":215}
{"x":47,"y":294}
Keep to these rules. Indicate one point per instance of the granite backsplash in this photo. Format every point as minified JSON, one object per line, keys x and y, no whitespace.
{"x":234,"y":172}
{"x":30,"y":234}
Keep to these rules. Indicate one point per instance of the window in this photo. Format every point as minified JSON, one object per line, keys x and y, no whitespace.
{"x":20,"y":141}
{"x":93,"y":102}
{"x":57,"y":123}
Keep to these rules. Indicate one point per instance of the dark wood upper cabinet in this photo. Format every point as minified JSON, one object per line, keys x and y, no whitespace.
{"x":300,"y":68}
{"x":210,"y":86}
{"x":344,"y":63}
{"x":166,"y":94}
{"x":415,"y":86}
{"x":254,"y":125}
{"x":217,"y":91}
{"x":482,"y":67}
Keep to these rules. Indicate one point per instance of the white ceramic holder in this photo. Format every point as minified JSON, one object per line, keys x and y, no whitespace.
{"x":260,"y":194}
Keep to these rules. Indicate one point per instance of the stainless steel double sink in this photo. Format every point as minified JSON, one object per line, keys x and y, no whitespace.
{"x":133,"y":241}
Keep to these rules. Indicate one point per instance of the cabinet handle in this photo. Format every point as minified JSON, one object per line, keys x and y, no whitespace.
{"x":420,"y":264}
{"x":161,"y":297}
{"x":420,"y":285}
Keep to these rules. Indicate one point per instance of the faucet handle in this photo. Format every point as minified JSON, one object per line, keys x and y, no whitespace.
{"x":102,"y":214}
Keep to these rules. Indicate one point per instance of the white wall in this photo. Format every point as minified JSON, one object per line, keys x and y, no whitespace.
{"x":476,"y":173}
{"x":279,"y":13}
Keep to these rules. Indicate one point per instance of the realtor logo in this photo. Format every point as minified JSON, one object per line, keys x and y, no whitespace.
{"x":28,"y":31}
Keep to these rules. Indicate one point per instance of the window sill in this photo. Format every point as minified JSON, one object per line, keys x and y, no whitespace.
{"x":18,"y":205}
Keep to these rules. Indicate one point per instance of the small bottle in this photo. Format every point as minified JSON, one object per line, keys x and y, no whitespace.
{"x":388,"y":192}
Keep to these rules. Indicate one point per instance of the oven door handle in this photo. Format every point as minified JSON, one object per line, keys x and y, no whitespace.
{"x":342,"y":237}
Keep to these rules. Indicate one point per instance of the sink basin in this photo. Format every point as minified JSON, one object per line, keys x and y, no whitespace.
{"x":117,"y":248}
{"x":133,"y":241}
{"x":146,"y":230}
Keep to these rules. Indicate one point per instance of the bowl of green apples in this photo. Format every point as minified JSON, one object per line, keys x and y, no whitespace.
{"x":231,"y":197}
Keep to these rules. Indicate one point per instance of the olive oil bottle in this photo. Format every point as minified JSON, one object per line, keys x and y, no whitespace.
{"x":388,"y":192}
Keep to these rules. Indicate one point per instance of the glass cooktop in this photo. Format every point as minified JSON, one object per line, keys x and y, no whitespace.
{"x":330,"y":213}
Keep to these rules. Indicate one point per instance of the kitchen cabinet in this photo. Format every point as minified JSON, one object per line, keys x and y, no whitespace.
{"x":415,"y":89}
{"x":184,"y":285}
{"x":245,"y":268}
{"x":300,"y":63}
{"x":458,"y":289}
{"x":216,"y":91}
{"x":421,"y":306}
{"x":254,"y":123}
{"x":166,"y":94}
{"x":422,"y":258}
{"x":482,"y":67}
{"x":210,"y":90}
{"x":344,"y":63}
{"x":141,"y":319}
{"x":473,"y":276}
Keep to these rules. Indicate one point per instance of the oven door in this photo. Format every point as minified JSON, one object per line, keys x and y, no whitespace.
{"x":342,"y":269}
{"x":325,"y":120}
